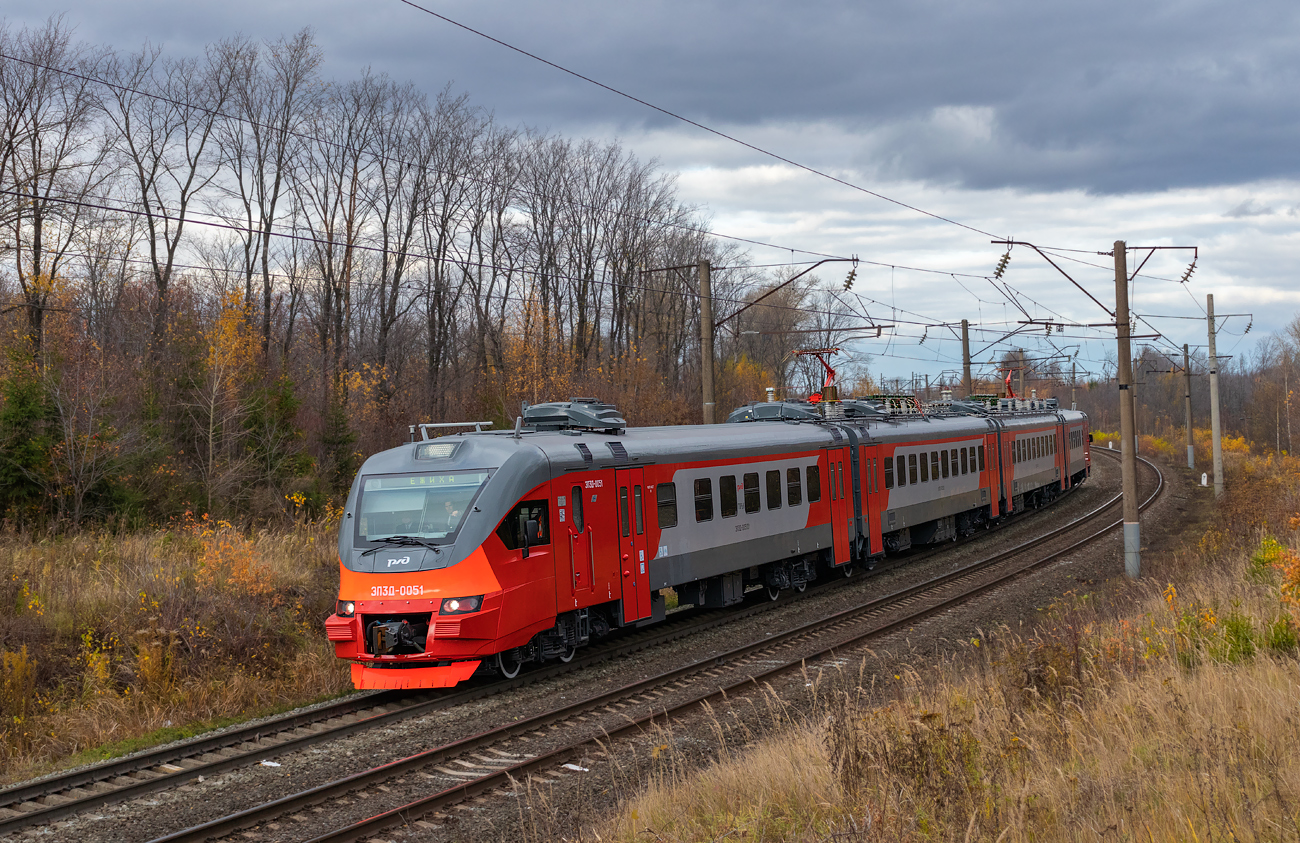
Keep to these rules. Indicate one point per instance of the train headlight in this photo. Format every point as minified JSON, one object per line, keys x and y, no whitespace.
{"x":345,"y":608}
{"x":461,"y":605}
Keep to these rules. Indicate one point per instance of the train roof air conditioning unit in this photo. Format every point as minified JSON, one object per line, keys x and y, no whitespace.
{"x":574,"y":414}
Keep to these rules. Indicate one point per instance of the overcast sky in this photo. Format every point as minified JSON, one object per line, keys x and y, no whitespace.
{"x":1161,"y":123}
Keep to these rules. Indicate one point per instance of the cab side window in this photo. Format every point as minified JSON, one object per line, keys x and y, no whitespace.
{"x":511,"y":529}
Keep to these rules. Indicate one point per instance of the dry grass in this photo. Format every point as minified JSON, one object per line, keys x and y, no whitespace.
{"x":1178,"y":719}
{"x":113,"y":640}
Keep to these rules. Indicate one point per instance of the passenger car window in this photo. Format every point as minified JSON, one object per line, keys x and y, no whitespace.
{"x":774,"y":490}
{"x":813,"y":474}
{"x":752,"y":503}
{"x":911,"y":469}
{"x":636,"y":510}
{"x":889,"y":473}
{"x":793,"y":489}
{"x":902,"y":470}
{"x":727,"y":493}
{"x":666,"y":502}
{"x":704,"y":499}
{"x":622,"y":511}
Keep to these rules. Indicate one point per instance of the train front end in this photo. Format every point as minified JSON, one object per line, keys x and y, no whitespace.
{"x":421,"y":594}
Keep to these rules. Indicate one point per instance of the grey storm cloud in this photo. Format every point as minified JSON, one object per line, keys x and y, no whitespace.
{"x":1100,"y":97}
{"x":1250,"y":208}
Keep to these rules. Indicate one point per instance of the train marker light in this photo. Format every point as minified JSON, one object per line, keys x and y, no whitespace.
{"x":461,"y":605}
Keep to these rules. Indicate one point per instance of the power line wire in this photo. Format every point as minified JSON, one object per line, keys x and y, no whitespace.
{"x":694,"y":123}
{"x":465,"y":175}
{"x":416,"y":255}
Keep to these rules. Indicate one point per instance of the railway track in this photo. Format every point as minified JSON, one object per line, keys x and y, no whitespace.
{"x":49,"y":800}
{"x":534,"y":748}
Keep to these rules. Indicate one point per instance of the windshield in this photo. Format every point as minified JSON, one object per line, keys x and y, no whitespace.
{"x":427,"y":506}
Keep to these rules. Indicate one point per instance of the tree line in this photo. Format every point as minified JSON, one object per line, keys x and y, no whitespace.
{"x":224,"y":278}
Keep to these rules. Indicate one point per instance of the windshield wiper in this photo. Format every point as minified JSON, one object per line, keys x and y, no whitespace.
{"x":403,"y":541}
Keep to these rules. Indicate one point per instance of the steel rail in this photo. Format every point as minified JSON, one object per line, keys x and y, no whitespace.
{"x":54,"y":798}
{"x":295,"y":802}
{"x":57,"y":797}
{"x":400,"y":816}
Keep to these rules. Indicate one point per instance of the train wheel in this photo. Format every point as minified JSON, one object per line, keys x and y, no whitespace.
{"x":773,"y":592}
{"x":847,"y":570}
{"x":567,"y":655}
{"x":800,"y":586}
{"x":509,"y":663}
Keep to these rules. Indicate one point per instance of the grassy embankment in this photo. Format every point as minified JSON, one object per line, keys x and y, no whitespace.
{"x":112,"y":642}
{"x":1175,"y":716}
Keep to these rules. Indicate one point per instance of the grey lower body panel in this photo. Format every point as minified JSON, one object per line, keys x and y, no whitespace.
{"x":920,"y":513}
{"x":667,"y":571}
{"x":1036,"y":481}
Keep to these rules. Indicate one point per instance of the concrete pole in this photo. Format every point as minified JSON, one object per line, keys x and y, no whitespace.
{"x":1216,"y":425}
{"x":706,"y":340}
{"x":965,"y":357}
{"x":1187,"y":404}
{"x":1128,"y":455}
{"x":1020,"y":379}
{"x":1074,"y":404}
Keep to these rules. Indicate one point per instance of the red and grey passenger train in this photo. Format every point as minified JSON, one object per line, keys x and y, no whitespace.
{"x":491,"y":549}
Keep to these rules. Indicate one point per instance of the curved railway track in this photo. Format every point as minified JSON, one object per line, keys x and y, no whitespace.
{"x":484,"y":762}
{"x":537,"y":748}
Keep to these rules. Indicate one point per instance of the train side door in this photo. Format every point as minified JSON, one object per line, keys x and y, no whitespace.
{"x":1061,"y":455}
{"x":580,"y":572}
{"x":871,"y":498}
{"x":993,"y":473}
{"x":841,"y":505}
{"x":634,"y":564}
